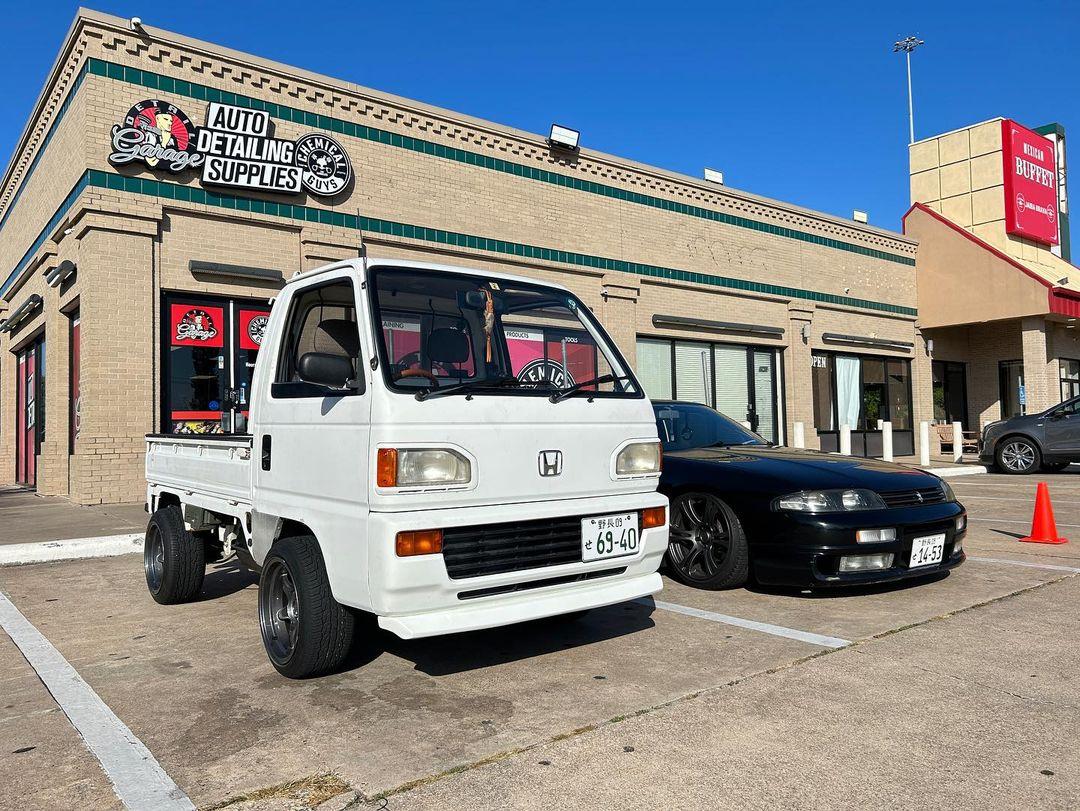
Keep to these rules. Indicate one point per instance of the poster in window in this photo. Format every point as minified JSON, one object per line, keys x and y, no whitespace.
{"x":253,"y":328}
{"x":196,"y":325}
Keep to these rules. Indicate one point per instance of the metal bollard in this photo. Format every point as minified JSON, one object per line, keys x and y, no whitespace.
{"x":845,"y":440}
{"x":799,"y":435}
{"x":886,"y":441}
{"x":957,"y":442}
{"x":924,"y":443}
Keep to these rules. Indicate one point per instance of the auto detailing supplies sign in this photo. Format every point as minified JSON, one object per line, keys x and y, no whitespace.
{"x":1031,"y":195}
{"x":234,"y":149}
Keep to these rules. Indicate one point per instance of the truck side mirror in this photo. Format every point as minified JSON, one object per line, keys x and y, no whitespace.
{"x":323,"y":369}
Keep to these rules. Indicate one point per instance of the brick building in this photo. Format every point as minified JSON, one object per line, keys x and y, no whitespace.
{"x":998,"y":295}
{"x":146,"y":218}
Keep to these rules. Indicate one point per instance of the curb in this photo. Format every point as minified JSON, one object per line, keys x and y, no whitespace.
{"x":72,"y":549}
{"x":966,"y":470}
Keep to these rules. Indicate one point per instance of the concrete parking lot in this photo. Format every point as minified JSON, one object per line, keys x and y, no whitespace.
{"x":959,"y":691}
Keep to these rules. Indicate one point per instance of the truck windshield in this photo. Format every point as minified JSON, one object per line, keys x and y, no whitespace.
{"x":485,"y":336}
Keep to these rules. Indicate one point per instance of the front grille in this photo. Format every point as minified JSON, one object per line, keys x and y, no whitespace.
{"x":913,"y":498}
{"x":511,"y":547}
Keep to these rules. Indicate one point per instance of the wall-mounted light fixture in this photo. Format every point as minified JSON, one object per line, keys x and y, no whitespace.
{"x":805,"y":331}
{"x":929,"y":346}
{"x":564,"y":138}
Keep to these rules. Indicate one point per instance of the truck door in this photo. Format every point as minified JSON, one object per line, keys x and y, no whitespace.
{"x":311,"y":441}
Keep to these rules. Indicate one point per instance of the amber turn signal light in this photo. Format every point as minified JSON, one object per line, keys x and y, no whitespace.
{"x":386,"y":468}
{"x":420,"y":542}
{"x":653,"y":517}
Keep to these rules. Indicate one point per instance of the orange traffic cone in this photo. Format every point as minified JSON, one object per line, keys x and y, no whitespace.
{"x":1043,"y":528}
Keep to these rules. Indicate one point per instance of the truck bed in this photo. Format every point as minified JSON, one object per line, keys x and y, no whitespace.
{"x":203,"y":470}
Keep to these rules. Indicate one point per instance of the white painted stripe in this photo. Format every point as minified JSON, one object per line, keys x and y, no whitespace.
{"x":1004,"y":498}
{"x":1025,"y":563}
{"x":136,"y":777}
{"x":72,"y":549}
{"x":752,"y":625}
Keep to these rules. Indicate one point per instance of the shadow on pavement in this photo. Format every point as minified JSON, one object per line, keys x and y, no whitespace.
{"x":848,"y":591}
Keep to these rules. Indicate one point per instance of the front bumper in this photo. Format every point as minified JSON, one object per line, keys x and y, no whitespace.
{"x":415,"y":597}
{"x":805,"y":550}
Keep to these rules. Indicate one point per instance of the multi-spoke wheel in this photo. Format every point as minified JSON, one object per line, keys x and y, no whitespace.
{"x":707,"y":546}
{"x":174,"y":560}
{"x":304,"y":629}
{"x":1018,"y":455}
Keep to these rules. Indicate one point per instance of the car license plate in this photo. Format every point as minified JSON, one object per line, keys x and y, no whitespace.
{"x":609,"y":536}
{"x":927,"y":550}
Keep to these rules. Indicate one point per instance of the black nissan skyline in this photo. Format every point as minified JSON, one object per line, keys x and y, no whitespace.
{"x":744,"y":509}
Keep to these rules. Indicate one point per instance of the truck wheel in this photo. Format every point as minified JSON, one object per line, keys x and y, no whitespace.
{"x":173,"y":559}
{"x":707,"y":547}
{"x":305,"y":631}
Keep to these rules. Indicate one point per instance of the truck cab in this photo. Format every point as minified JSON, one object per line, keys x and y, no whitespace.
{"x":447,"y":449}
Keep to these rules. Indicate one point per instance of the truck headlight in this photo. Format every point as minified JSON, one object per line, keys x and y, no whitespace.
{"x":830,"y":501}
{"x":638,"y":459}
{"x":422,"y":467}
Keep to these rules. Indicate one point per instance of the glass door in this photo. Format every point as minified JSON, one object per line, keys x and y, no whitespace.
{"x":29,"y":411}
{"x":1011,"y":388}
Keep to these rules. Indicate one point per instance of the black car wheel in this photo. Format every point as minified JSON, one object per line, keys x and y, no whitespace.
{"x":1017,"y":455}
{"x":707,"y":547}
{"x":305,"y":631}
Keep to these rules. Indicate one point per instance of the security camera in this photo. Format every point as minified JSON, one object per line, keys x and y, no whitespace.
{"x":135,"y":23}
{"x":1063,"y":280}
{"x":847,"y":290}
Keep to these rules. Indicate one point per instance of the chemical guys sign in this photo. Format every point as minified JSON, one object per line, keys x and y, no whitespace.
{"x":235,"y":149}
{"x":1031,"y":191}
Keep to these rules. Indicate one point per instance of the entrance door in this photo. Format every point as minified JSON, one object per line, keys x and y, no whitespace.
{"x":29,"y":411}
{"x":211,"y":346}
{"x":745,"y":387}
{"x":1012,"y":392}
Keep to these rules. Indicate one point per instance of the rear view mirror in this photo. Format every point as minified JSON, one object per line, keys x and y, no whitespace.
{"x":323,"y":369}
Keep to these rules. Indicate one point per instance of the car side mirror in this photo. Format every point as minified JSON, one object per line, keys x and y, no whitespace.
{"x":324,"y":369}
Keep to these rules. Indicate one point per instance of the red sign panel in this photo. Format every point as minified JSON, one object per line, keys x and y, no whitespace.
{"x":1031,"y":194}
{"x":252,"y":328}
{"x":196,"y":325}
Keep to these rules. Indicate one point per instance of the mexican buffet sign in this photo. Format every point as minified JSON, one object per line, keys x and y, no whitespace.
{"x":234,"y":148}
{"x":1031,"y":192}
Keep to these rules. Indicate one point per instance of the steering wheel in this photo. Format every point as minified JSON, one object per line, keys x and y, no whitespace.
{"x":417,"y":373}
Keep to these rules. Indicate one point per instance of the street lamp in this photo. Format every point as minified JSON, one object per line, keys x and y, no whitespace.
{"x":907,"y":46}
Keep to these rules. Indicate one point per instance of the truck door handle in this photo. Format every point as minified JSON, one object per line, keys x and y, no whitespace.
{"x":266,"y":452}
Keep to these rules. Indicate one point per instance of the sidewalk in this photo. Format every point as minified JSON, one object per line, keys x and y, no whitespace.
{"x":26,"y":517}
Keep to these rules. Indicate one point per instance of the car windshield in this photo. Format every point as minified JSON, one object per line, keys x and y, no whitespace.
{"x":469,"y":334}
{"x":683,"y":426}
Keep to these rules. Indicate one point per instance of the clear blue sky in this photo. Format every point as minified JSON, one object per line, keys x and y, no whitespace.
{"x":799,"y":101}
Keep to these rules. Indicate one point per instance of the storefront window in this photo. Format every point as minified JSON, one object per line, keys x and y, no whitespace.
{"x":821,"y":373}
{"x":1070,"y":378}
{"x":950,"y":392}
{"x":1011,"y":388}
{"x":859,"y":391}
{"x":654,"y":367}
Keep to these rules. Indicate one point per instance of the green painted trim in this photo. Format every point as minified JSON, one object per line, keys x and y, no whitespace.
{"x":192,"y":90}
{"x":193,"y":194}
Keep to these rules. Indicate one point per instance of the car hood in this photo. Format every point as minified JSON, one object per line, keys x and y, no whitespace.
{"x":792,"y":469}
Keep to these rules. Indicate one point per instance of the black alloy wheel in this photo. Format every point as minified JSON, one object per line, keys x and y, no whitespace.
{"x":707,"y":546}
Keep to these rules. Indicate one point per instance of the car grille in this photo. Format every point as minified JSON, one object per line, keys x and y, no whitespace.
{"x":511,"y":547}
{"x":913,"y":498}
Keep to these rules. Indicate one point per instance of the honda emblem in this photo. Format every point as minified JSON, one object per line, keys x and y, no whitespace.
{"x":549,"y":463}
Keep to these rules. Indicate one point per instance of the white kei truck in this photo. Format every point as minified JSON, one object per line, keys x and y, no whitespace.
{"x":447,"y":449}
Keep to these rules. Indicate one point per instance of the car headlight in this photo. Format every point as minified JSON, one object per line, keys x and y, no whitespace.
{"x":638,"y":459}
{"x":949,"y":494}
{"x":422,"y":467}
{"x":831,"y":501}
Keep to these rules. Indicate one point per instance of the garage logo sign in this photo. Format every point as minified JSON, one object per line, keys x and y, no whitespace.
{"x":235,"y":148}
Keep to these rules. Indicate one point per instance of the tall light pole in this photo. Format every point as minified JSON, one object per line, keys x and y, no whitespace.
{"x":907,"y":46}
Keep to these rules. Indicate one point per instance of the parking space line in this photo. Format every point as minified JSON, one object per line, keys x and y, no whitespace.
{"x":752,"y":625}
{"x":1025,"y":563}
{"x":137,"y":778}
{"x":1005,"y":498}
{"x":1016,"y":521}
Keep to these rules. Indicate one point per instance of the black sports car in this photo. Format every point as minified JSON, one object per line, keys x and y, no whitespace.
{"x":743,"y":508}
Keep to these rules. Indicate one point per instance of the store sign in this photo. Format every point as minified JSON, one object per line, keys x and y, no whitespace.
{"x":235,"y":148}
{"x":196,"y":325}
{"x":253,"y":328}
{"x":1031,"y":192}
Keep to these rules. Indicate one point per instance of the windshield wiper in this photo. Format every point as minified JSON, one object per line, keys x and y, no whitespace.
{"x":468,"y":385}
{"x":559,"y":396}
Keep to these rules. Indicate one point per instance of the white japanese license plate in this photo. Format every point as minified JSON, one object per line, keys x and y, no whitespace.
{"x":609,"y":536}
{"x":927,"y":550}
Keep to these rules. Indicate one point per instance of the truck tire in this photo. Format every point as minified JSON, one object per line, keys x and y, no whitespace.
{"x":305,"y":631}
{"x":174,"y":559}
